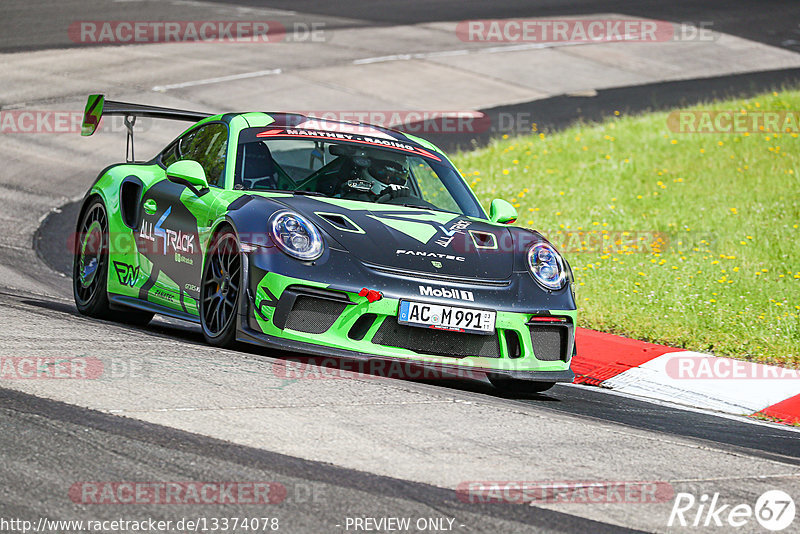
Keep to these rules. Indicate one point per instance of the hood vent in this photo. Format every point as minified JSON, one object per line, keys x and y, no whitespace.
{"x":483,"y":240}
{"x":340,"y":222}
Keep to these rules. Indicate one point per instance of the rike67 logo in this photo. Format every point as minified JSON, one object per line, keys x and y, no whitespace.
{"x":774,"y":510}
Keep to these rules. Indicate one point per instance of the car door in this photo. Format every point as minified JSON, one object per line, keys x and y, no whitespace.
{"x":173,"y":217}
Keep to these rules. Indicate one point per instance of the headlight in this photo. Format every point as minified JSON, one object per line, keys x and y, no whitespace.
{"x":546,"y":266}
{"x":295,"y":235}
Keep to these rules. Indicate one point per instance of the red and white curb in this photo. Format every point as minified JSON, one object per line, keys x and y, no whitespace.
{"x":684,"y":377}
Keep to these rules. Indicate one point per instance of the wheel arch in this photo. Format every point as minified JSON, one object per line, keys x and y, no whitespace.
{"x":88,"y":199}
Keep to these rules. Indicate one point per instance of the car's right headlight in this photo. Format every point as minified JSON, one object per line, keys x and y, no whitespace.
{"x":547,"y":266}
{"x":296,"y":235}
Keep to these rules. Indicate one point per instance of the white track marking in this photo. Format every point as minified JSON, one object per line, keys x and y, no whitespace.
{"x":744,"y":394}
{"x":465,"y":51}
{"x":220,"y":79}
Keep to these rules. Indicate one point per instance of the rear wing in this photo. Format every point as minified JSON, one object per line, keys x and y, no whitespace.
{"x":97,"y":107}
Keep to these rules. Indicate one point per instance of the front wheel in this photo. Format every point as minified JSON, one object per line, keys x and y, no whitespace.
{"x":220,"y":290}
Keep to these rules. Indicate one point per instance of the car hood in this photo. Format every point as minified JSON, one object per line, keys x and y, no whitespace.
{"x":412,"y":239}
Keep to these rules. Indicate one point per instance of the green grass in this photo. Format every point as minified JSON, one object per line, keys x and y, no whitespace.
{"x":690,"y":240}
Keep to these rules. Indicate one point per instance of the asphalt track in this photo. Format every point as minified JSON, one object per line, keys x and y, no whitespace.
{"x":48,"y":444}
{"x":83,"y":444}
{"x":772,"y":22}
{"x":762,"y":440}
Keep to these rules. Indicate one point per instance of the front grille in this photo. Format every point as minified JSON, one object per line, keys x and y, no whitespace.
{"x":549,"y":342}
{"x":436,"y":342}
{"x":313,"y":315}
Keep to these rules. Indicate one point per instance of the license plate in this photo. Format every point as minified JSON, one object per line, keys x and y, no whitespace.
{"x":451,"y":318}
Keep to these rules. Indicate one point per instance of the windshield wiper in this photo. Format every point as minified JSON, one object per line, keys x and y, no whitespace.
{"x":295,"y":192}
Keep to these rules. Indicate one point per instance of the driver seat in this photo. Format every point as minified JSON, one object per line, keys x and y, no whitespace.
{"x":255,"y":166}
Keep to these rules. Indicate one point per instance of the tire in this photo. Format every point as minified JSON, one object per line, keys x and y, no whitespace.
{"x":520,"y":387}
{"x":90,"y":269}
{"x":220,"y":289}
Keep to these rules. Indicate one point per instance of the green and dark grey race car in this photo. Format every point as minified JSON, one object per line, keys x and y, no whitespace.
{"x":323,"y":237}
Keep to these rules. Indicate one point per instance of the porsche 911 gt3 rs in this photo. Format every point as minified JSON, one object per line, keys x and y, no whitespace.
{"x":323,"y":237}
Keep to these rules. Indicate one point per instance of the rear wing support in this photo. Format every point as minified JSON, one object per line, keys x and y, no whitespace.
{"x":130,"y":120}
{"x":97,"y":107}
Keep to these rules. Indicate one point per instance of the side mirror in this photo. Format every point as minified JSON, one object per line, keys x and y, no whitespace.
{"x":188,"y":172}
{"x":502,"y":212}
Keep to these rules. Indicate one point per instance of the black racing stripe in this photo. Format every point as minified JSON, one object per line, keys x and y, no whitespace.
{"x":94,"y":105}
{"x":148,"y":285}
{"x":239,"y":202}
{"x":228,"y":117}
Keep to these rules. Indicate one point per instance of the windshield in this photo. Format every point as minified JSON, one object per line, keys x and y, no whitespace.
{"x":353,"y":170}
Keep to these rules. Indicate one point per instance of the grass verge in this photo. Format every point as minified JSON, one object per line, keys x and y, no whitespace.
{"x":686,"y":239}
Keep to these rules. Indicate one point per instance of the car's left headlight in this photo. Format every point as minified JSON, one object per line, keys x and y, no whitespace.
{"x":547,"y":266}
{"x":296,"y":235}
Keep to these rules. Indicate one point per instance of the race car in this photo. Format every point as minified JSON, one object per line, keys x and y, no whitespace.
{"x":329,"y":238}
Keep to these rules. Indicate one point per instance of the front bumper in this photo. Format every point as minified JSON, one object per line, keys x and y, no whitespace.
{"x":321,"y":319}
